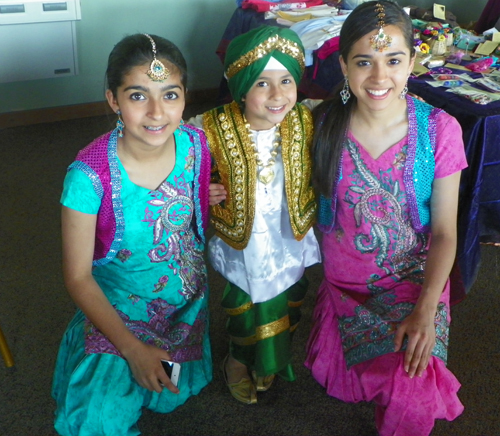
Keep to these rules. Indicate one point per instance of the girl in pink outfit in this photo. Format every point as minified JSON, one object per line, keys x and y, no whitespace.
{"x":387,"y":170}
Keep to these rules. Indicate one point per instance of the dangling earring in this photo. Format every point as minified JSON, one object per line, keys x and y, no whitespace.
{"x":404,"y":92}
{"x":345,"y":95}
{"x":119,"y":124}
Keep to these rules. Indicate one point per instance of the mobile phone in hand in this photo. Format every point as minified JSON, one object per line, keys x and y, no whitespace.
{"x":173,"y":370}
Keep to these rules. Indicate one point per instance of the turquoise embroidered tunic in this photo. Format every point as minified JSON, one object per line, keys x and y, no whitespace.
{"x":157,"y":284}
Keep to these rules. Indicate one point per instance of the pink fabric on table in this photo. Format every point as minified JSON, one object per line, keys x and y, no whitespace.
{"x":330,"y":46}
{"x":374,"y":263}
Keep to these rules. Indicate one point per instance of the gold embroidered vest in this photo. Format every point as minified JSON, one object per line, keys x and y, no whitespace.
{"x":235,"y":167}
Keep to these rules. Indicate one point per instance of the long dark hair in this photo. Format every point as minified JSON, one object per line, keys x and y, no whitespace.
{"x":136,"y":50}
{"x":332,"y":116}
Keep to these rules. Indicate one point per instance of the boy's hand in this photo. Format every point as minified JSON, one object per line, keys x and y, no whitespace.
{"x":217,"y":193}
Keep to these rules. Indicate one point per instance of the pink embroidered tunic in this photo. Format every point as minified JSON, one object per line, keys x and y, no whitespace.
{"x":374,"y":269}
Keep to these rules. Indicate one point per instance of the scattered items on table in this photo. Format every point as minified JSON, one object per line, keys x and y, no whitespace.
{"x":455,"y":57}
{"x":432,"y":37}
{"x":448,"y":80}
{"x":486,"y":48}
{"x":481,"y":65}
{"x":419,"y":69}
{"x":475,"y":95}
{"x":433,"y":63}
{"x":466,"y":40}
{"x":446,"y":76}
{"x":456,"y":67}
{"x":450,"y":83}
{"x":489,"y":84}
{"x":443,"y":49}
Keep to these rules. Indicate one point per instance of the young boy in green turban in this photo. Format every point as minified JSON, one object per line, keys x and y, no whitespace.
{"x":263,"y":223}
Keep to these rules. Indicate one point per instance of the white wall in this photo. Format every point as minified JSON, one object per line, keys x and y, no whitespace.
{"x":196,"y":26}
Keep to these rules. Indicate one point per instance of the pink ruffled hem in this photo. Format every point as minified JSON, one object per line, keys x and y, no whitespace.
{"x":404,"y":406}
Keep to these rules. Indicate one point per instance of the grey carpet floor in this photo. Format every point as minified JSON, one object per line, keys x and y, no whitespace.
{"x":35,"y":309}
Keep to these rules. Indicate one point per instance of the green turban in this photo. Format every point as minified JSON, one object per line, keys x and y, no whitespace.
{"x":248,"y":54}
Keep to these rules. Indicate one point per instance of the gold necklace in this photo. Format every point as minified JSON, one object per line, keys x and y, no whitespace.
{"x":266,"y":174}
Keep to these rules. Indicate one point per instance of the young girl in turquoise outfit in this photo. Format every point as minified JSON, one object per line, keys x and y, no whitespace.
{"x":135,"y":204}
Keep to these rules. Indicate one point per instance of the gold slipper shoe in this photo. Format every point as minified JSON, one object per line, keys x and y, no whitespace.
{"x":244,"y":390}
{"x":262,"y":383}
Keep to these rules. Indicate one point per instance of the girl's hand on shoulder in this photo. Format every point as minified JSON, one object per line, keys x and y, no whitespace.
{"x":421,"y":332}
{"x":145,"y":363}
{"x":217,"y":193}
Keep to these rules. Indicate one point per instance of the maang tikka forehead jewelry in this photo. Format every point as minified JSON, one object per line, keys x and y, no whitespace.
{"x":157,"y":71}
{"x":380,"y":41}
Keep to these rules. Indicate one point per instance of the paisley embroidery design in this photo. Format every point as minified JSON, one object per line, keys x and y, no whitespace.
{"x":181,"y":245}
{"x":381,"y":203}
{"x":162,"y":330}
{"x":380,"y":207}
{"x":168,"y":264}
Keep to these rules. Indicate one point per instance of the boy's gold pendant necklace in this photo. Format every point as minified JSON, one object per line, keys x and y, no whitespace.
{"x":266,"y":174}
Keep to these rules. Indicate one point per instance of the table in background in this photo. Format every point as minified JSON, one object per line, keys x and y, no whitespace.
{"x":479,"y":204}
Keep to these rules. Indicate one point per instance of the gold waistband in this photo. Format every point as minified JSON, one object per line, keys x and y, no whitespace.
{"x":265,"y":331}
{"x":239,"y":310}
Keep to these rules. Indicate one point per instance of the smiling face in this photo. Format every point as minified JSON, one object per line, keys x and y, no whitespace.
{"x":269,"y":99}
{"x":377,"y":78}
{"x":151,"y":111}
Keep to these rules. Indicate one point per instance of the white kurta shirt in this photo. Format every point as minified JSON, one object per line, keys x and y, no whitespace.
{"x":273,"y":259}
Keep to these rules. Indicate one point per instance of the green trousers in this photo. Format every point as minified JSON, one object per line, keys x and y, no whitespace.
{"x":261,"y":333}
